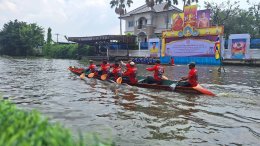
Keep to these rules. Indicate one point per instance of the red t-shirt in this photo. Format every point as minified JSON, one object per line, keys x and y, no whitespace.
{"x":172,"y":61}
{"x":128,"y":65}
{"x":93,"y":68}
{"x":105,"y":68}
{"x":193,"y":77}
{"x":116,"y":72}
{"x":158,"y":71}
{"x":131,"y":74}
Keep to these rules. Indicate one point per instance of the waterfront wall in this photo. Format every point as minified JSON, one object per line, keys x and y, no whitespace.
{"x":255,"y":53}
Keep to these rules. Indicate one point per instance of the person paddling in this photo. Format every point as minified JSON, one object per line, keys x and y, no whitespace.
{"x":129,"y":76}
{"x":116,"y":72}
{"x":127,"y":65}
{"x":192,"y":79}
{"x":104,"y":68}
{"x":158,"y":73}
{"x":92,"y":68}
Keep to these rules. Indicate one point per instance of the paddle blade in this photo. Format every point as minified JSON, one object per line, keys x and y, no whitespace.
{"x":91,"y":75}
{"x":82,"y":76}
{"x":119,"y":80}
{"x":164,"y":78}
{"x":104,"y":77}
{"x":203,"y":90}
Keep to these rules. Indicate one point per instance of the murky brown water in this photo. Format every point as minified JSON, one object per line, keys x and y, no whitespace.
{"x":137,"y":116}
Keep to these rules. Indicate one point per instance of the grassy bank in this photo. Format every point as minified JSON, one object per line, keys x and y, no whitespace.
{"x":22,"y":128}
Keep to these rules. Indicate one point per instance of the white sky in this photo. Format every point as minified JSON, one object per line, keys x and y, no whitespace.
{"x":72,"y":17}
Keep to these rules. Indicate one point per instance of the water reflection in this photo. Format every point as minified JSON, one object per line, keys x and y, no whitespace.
{"x":137,"y":116}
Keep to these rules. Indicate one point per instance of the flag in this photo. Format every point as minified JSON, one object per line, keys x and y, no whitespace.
{"x":217,"y":49}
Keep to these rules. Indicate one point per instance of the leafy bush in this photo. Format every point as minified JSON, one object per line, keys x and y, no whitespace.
{"x":60,"y":51}
{"x":20,"y":128}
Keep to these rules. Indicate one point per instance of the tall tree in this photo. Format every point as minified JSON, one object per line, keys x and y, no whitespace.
{"x":222,"y":12}
{"x":49,"y":36}
{"x":120,"y":8}
{"x":254,"y":9}
{"x":19,"y":38}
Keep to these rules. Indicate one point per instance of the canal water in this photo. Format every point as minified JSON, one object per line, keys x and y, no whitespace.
{"x":136,"y":116}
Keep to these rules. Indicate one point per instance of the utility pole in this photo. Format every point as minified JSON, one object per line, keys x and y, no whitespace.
{"x":57,"y":37}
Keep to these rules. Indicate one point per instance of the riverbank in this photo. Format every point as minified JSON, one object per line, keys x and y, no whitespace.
{"x":245,"y":62}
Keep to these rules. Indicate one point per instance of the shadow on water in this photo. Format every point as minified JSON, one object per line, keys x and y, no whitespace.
{"x":138,"y":116}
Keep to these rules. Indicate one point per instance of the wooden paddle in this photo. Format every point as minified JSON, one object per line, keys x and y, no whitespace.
{"x":103,"y":77}
{"x":173,"y":86}
{"x":119,"y":80}
{"x":82,"y":76}
{"x":91,"y":75}
{"x":164,"y":78}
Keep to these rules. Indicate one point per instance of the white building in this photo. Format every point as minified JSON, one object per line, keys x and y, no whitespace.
{"x":146,"y":22}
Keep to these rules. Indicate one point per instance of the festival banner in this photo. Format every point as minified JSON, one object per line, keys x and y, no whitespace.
{"x":177,"y":22}
{"x":190,"y":16}
{"x":238,"y":48}
{"x":154,"y":47}
{"x":190,"y":47}
{"x":203,"y":18}
{"x":218,"y":30}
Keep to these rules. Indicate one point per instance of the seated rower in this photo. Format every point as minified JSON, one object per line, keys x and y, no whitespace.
{"x":158,"y":73}
{"x":192,"y":79}
{"x":129,"y":76}
{"x":104,"y":68}
{"x":92,"y":68}
{"x":116,"y":72}
{"x":126,"y":64}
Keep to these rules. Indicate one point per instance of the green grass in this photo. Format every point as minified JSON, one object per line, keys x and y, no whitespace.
{"x":22,"y":128}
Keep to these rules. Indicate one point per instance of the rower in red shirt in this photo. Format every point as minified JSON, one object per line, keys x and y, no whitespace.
{"x":158,"y":72}
{"x":116,"y":72}
{"x":104,"y":68}
{"x":192,"y":79}
{"x":92,"y":68}
{"x":127,"y":65}
{"x":129,"y":76}
{"x":172,"y":61}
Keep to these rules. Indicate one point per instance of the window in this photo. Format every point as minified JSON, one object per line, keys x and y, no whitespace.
{"x":166,"y":19}
{"x":131,"y":24}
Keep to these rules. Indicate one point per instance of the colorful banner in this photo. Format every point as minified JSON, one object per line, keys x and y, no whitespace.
{"x":203,"y":18}
{"x":218,"y":30}
{"x":190,"y":47}
{"x":238,"y":48}
{"x":190,"y":16}
{"x":154,"y":47}
{"x":177,"y":21}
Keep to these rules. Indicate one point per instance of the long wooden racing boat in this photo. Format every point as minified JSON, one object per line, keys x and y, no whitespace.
{"x":167,"y":85}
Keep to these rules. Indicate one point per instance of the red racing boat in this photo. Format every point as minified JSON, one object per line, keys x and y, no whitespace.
{"x":167,"y":85}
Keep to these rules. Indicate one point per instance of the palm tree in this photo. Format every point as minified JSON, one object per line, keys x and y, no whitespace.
{"x":188,"y":2}
{"x":120,"y":8}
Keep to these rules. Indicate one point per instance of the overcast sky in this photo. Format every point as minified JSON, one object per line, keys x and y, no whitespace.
{"x":70,"y":17}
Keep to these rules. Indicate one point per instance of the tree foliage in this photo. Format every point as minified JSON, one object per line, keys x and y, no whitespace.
{"x":20,"y":38}
{"x":120,"y":8}
{"x":60,"y":51}
{"x":151,"y":3}
{"x":234,"y":19}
